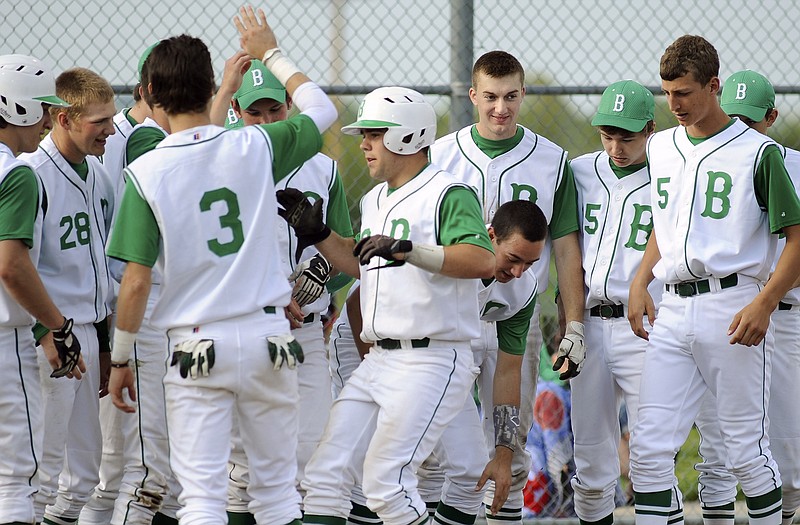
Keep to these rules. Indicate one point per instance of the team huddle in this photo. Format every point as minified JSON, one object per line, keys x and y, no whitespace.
{"x":178,"y":256}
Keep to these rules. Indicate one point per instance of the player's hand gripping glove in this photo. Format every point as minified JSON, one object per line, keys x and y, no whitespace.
{"x":284,"y":349}
{"x":310,"y":278}
{"x":68,"y":347}
{"x":381,"y":246}
{"x":305,"y":218}
{"x":195,"y":357}
{"x":572,"y":349}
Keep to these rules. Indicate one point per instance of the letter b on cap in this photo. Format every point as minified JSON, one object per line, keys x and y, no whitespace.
{"x":258,"y":77}
{"x":619,"y":102}
{"x":741,"y":91}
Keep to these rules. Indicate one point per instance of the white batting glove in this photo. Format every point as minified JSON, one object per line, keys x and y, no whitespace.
{"x":284,"y":349}
{"x":572,"y":349}
{"x":310,"y":277}
{"x":195,"y":357}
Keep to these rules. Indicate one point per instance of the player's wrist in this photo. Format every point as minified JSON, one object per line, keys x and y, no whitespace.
{"x":426,"y":256}
{"x":506,"y":426}
{"x":122,"y":347}
{"x":279,"y":65}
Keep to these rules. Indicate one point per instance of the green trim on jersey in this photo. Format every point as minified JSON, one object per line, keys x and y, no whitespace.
{"x":293,"y":142}
{"x":137,"y":225}
{"x":621,"y":173}
{"x":512,"y":333}
{"x":82,"y":169}
{"x":565,"y":206}
{"x":128,"y":117}
{"x":461,"y":219}
{"x":142,"y":140}
{"x":775,"y":191}
{"x":495,"y":148}
{"x":19,"y":197}
{"x":697,"y":140}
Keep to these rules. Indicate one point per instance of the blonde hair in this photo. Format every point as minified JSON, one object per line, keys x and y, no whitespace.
{"x":80,"y":87}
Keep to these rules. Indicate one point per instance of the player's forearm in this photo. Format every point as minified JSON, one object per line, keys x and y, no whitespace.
{"x":22,"y":281}
{"x":353,"y":307}
{"x":467,"y":261}
{"x":787,"y":270}
{"x":132,"y":300}
{"x":507,"y":377}
{"x":314,"y":103}
{"x":219,"y":107}
{"x":338,"y":251}
{"x":644,"y":275}
{"x":569,"y":269}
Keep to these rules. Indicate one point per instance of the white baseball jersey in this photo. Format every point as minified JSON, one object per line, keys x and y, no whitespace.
{"x":791,"y":158}
{"x":616,"y":222}
{"x":532,"y":170}
{"x":500,"y":301}
{"x":11,"y":313}
{"x":236,"y":209}
{"x":408,"y":302}
{"x":77,"y":218}
{"x":687,"y":179}
{"x":114,"y":157}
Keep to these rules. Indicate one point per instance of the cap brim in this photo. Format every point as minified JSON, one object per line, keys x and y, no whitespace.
{"x":52,"y":100}
{"x":356,"y":127}
{"x":628,"y":124}
{"x":753,"y":113}
{"x":247,"y":100}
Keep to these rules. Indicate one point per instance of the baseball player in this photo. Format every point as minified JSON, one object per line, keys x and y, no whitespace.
{"x":719,"y":190}
{"x":224,"y":355}
{"x":750,"y":97}
{"x":614,"y":202}
{"x":504,"y":161}
{"x":421,"y":230}
{"x":100,"y":507}
{"x":260,"y":99}
{"x":73,"y":266}
{"x":27,"y":90}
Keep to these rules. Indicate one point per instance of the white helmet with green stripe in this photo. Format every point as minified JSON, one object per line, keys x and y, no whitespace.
{"x":409,"y":120}
{"x":25,"y":83}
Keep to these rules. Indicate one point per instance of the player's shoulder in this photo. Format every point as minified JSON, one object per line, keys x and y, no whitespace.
{"x":532,"y":139}
{"x":587,"y":160}
{"x":447,"y":141}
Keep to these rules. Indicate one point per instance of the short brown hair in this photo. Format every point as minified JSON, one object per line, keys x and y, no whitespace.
{"x":690,"y":54}
{"x":614,"y":130}
{"x":180,"y":74}
{"x":80,"y":87}
{"x":497,"y":64}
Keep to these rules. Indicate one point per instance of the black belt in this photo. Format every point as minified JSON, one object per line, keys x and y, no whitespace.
{"x":785,"y":306}
{"x":269,"y":310}
{"x":394,"y":344}
{"x":690,"y":288}
{"x":607,"y":311}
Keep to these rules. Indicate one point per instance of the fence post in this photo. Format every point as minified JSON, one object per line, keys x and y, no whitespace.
{"x":461,"y":45}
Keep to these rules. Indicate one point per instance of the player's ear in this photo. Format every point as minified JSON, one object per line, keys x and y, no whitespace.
{"x":62,"y":119}
{"x":491,"y":233}
{"x":288,"y":102}
{"x":473,"y":96}
{"x":236,"y":107}
{"x":772,"y":116}
{"x":714,"y":85}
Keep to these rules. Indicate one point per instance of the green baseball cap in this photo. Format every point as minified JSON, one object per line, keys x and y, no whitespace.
{"x":625,"y":104}
{"x":259,"y":83}
{"x":749,"y":94}
{"x":144,"y":56}
{"x":232,"y":121}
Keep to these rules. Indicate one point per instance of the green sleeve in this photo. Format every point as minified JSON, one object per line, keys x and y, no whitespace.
{"x":135,"y":236}
{"x":512,"y":333}
{"x":775,"y":191}
{"x":337,"y":216}
{"x":565,"y":206}
{"x":294,"y":141}
{"x":460,"y":219}
{"x":142,"y":140}
{"x":19,"y":197}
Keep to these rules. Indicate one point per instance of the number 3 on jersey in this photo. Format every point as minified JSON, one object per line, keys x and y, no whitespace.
{"x":229,"y":220}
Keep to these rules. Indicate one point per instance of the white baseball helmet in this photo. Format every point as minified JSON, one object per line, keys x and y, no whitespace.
{"x":25,"y":82}
{"x":410,"y":121}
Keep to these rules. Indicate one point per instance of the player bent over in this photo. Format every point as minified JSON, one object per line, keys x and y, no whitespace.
{"x":719,"y":191}
{"x":210,"y":226}
{"x":614,"y":200}
{"x":74,"y":267}
{"x":27,"y":90}
{"x":750,"y":97}
{"x":421,"y":232}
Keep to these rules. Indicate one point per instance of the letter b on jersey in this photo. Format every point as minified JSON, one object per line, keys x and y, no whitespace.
{"x":718,"y":191}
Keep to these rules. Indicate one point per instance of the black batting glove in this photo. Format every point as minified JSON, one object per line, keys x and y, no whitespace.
{"x":304,"y":218}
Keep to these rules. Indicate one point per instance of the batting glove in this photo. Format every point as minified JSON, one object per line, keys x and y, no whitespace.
{"x":304,"y":218}
{"x":195,"y":357}
{"x":381,"y":246}
{"x":310,"y":278}
{"x":68,"y":347}
{"x":284,"y":349}
{"x":572,"y":349}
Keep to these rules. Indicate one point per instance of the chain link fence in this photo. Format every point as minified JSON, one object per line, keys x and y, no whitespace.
{"x":571,"y":50}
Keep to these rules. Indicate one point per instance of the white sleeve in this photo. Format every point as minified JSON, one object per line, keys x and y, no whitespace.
{"x":313,"y":102}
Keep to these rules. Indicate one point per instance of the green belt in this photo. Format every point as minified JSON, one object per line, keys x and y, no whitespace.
{"x":269,"y":310}
{"x":394,"y":344}
{"x":310,"y":318}
{"x":690,"y":288}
